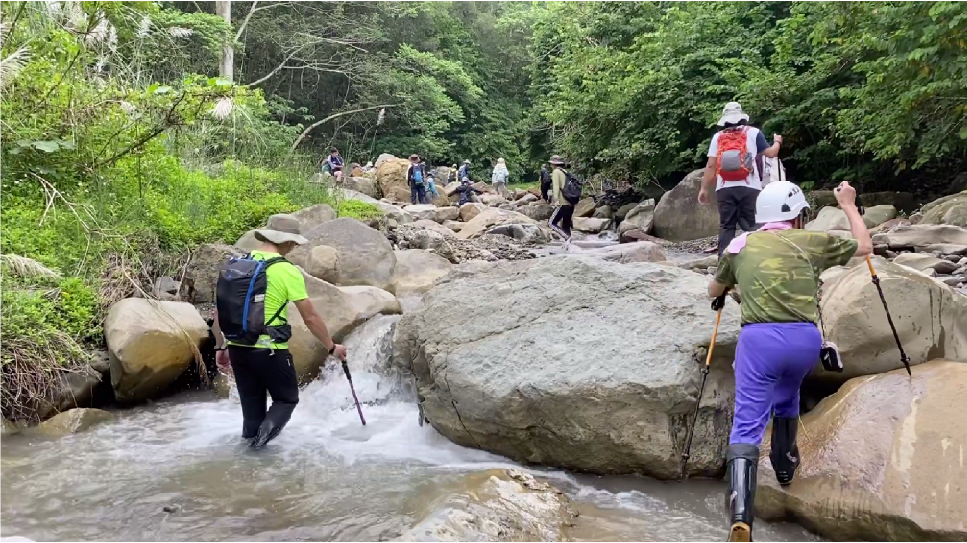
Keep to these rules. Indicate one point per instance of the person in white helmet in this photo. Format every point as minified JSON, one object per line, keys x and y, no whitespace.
{"x":777,"y":271}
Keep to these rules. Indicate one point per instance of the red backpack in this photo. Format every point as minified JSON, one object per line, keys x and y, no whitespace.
{"x":734,"y":162}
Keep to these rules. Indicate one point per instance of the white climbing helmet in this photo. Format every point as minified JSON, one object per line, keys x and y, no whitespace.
{"x":779,"y":201}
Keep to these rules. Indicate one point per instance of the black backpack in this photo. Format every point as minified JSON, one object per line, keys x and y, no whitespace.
{"x":572,"y":188}
{"x":240,"y":299}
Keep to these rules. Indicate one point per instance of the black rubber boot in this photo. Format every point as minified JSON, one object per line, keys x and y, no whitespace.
{"x":742,"y":464}
{"x":785,"y":452}
{"x":267,"y":432}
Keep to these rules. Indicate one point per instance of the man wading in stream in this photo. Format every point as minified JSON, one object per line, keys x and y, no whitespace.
{"x":777,"y":271}
{"x":251,"y":299}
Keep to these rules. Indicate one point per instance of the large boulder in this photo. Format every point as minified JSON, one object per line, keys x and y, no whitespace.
{"x":73,"y":422}
{"x":491,"y":217}
{"x":679,"y":216}
{"x":881,"y":460}
{"x":950,"y":210}
{"x":421,"y":211}
{"x":470,"y":210}
{"x":201,"y":274}
{"x":930,"y":318}
{"x":342,"y":309}
{"x":642,"y":251}
{"x":447,"y":213}
{"x":496,"y":505}
{"x":391,"y":178}
{"x":312,"y":216}
{"x":603,"y":212}
{"x":876,"y":215}
{"x":539,"y":211}
{"x":575,"y":362}
{"x":528,"y":234}
{"x":433,"y":225}
{"x":584,"y":208}
{"x":832,"y":218}
{"x":641,"y":217}
{"x":923,"y":262}
{"x":492,"y":199}
{"x":364,"y":185}
{"x":365,"y":256}
{"x":417,"y":271}
{"x":590,"y":224}
{"x":918,"y":236}
{"x":393,"y":216}
{"x":150,"y":344}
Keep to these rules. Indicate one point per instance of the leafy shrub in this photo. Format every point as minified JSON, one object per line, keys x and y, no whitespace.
{"x":358,"y":210}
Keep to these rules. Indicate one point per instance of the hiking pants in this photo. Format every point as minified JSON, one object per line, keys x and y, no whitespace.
{"x":418,"y":194}
{"x":258,"y":371}
{"x":562,"y":214}
{"x":736,"y":208}
{"x":545,"y":189}
{"x":771,"y":362}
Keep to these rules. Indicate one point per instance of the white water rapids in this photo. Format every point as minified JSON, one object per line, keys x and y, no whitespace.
{"x":178,"y":470}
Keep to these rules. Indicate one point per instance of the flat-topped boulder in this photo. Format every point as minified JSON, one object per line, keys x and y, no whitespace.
{"x":574,"y":362}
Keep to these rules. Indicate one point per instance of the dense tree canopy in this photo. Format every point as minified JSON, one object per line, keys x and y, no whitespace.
{"x":874,"y":92}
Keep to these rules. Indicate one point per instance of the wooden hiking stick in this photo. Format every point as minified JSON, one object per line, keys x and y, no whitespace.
{"x":701,"y":390}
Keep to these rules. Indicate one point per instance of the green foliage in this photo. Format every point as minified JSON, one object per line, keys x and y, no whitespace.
{"x":859,"y":90}
{"x":110,"y":173}
{"x":358,"y":210}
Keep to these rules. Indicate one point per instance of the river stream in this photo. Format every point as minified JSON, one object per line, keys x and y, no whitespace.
{"x":178,"y":470}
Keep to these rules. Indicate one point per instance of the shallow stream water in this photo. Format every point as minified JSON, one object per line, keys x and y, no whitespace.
{"x":178,"y":470}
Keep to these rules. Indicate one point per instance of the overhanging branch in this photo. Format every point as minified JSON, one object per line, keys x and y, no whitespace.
{"x":331,"y":117}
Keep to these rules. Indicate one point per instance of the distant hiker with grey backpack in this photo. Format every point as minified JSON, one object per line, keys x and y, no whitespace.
{"x":252,"y":329}
{"x":565,"y":193}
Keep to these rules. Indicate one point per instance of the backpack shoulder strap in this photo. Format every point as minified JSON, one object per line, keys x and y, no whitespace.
{"x":274,"y":260}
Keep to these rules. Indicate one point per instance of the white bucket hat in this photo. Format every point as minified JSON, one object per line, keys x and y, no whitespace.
{"x":281,"y":228}
{"x":732,"y":114}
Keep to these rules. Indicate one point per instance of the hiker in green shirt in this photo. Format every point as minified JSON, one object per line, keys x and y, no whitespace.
{"x":263,"y":365}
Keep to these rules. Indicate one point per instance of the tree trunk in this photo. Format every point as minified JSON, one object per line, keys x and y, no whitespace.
{"x":223,"y":8}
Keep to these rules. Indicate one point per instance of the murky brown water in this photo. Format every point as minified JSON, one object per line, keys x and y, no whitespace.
{"x":176,"y":470}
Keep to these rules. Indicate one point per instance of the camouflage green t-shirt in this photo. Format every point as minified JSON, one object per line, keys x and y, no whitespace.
{"x":775,"y":280}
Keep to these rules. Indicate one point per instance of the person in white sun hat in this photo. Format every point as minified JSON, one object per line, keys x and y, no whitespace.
{"x":735,"y":166}
{"x":252,"y":328}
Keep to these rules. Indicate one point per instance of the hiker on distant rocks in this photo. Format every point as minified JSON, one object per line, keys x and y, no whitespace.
{"x":465,"y":171}
{"x":431,"y":190}
{"x":334,"y":164}
{"x":560,"y":221}
{"x":734,"y":166}
{"x":416,"y":179}
{"x":467,"y":193}
{"x":252,"y":331}
{"x":500,"y":177}
{"x":776,"y":271}
{"x":452,"y":175}
{"x":545,"y":183}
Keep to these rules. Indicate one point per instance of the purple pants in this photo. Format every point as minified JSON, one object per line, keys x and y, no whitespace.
{"x":771,"y":361}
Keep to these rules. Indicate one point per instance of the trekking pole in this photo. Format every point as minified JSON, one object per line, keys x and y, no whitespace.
{"x":876,"y":281}
{"x":349,"y":377}
{"x":708,"y":360}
